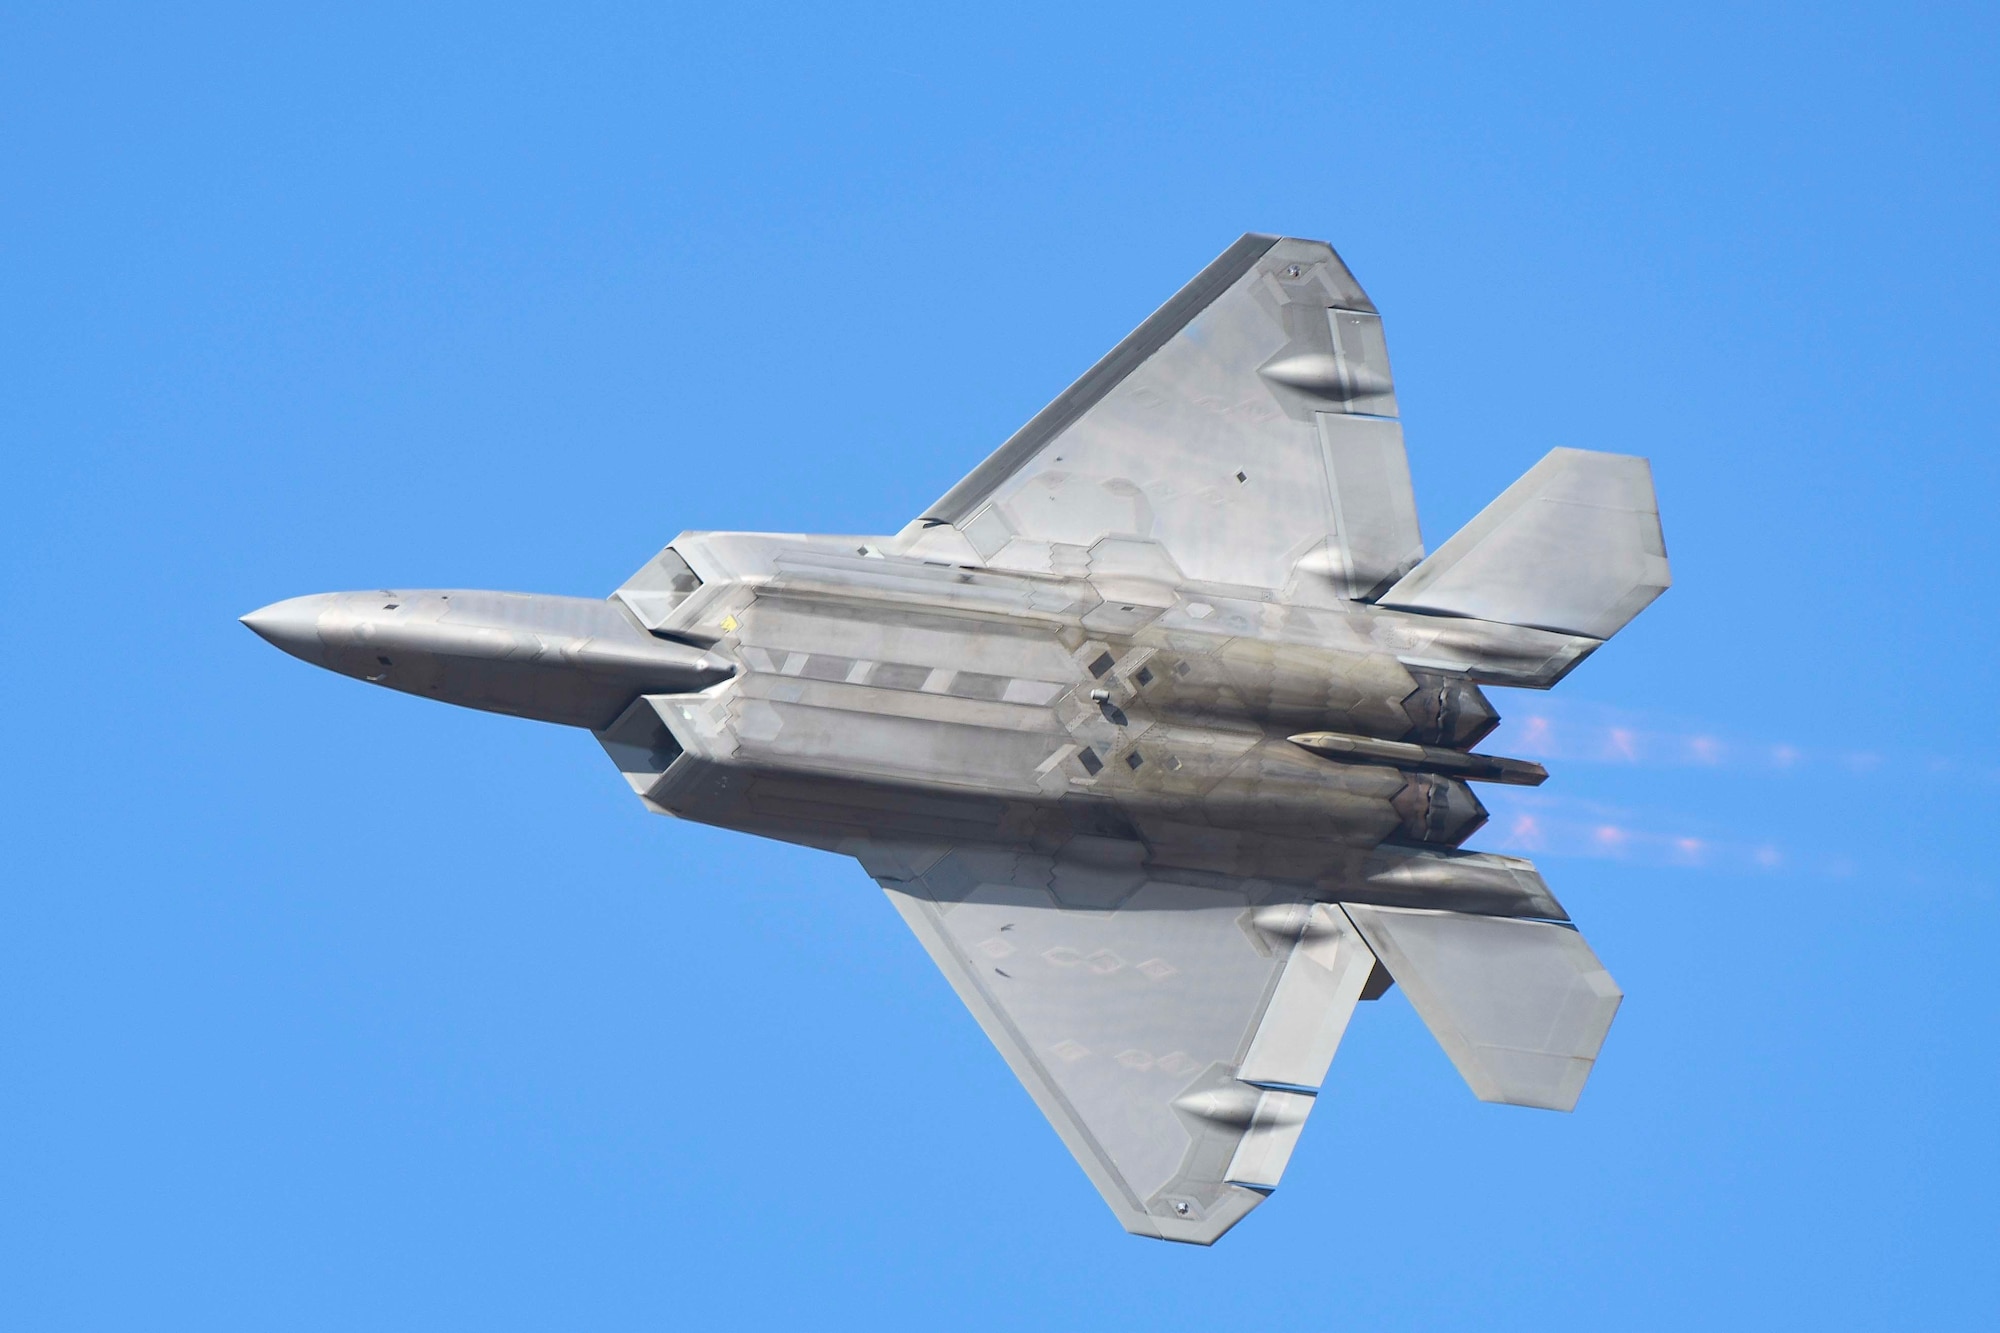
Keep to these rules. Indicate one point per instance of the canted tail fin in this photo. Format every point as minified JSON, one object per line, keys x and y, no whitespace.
{"x":1574,"y":546}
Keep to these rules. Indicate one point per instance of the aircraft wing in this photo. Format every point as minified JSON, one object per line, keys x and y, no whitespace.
{"x":1175,"y":1027}
{"x":1171,"y":1027}
{"x":1245,"y":434}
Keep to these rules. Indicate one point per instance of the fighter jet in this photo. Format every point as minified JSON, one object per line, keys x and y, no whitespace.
{"x":1156,"y":729}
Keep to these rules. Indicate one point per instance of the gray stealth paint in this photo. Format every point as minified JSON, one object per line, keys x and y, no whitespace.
{"x":1156,"y":729}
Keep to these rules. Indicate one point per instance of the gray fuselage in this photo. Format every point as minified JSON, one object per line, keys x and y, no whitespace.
{"x":820,"y":692}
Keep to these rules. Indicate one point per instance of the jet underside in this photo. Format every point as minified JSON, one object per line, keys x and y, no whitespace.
{"x":896,"y":701}
{"x":1156,"y":729}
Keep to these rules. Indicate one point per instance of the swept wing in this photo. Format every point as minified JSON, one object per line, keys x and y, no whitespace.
{"x":1248,"y":428}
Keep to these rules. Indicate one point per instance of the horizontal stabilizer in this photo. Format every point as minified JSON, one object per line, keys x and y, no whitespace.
{"x":1574,"y":546}
{"x":1521,"y":1007}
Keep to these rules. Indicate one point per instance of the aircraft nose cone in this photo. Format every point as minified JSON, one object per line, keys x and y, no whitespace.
{"x":292,"y":625}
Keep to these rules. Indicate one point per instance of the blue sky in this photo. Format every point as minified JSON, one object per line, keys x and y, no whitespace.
{"x":322,"y":1007}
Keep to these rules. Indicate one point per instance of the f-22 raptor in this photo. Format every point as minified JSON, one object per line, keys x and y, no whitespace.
{"x":1156,"y":729}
